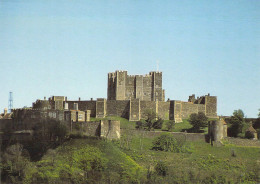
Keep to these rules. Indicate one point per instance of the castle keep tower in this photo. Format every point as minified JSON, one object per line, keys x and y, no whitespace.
{"x":144,"y":87}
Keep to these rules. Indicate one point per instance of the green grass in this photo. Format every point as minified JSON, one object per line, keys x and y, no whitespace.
{"x":206,"y":162}
{"x":71,"y":160}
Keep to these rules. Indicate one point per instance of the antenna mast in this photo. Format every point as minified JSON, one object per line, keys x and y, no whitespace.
{"x":10,"y":102}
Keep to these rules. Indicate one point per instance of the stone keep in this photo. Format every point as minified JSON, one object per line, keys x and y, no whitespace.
{"x":144,"y":87}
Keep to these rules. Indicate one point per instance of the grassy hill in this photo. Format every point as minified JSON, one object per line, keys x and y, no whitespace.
{"x":132,"y":160}
{"x":99,"y":161}
{"x":85,"y":160}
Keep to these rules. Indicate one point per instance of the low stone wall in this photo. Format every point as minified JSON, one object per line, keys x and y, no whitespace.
{"x":242,"y":142}
{"x":177,"y":135}
{"x":109,"y":129}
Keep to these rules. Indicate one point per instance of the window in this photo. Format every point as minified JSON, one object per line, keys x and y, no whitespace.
{"x":80,"y":117}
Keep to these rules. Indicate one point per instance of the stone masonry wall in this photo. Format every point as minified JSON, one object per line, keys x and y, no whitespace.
{"x":101,"y":107}
{"x":91,"y":128}
{"x":163,"y":110}
{"x":134,"y":110}
{"x":147,"y":105}
{"x":84,"y":105}
{"x":110,"y":129}
{"x":118,"y":108}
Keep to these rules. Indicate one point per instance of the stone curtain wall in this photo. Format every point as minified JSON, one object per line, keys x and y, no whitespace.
{"x":147,"y":105}
{"x":182,"y":110}
{"x":91,"y":128}
{"x":163,"y":110}
{"x":134,"y":110}
{"x":119,"y":108}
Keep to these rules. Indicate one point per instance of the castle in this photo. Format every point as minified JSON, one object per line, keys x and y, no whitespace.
{"x":128,"y":96}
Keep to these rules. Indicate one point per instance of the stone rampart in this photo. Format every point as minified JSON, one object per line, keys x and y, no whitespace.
{"x":163,"y":110}
{"x":119,"y":108}
{"x":110,"y":129}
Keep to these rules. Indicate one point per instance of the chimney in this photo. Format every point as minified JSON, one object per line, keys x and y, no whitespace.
{"x":91,"y":99}
{"x":79,"y":98}
{"x":45,"y":98}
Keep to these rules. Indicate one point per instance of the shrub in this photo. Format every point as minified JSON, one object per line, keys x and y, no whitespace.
{"x":166,"y":142}
{"x":150,"y":119}
{"x":139,"y":125}
{"x":158,"y":124}
{"x":249,"y":135}
{"x":170,"y":125}
{"x":161,"y":168}
{"x":198,"y":121}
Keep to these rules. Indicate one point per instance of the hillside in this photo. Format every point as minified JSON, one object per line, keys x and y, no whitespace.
{"x":132,"y":159}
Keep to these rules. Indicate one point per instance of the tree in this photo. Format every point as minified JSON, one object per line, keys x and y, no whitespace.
{"x":15,"y":160}
{"x":237,"y":122}
{"x":150,"y":119}
{"x":198,"y":121}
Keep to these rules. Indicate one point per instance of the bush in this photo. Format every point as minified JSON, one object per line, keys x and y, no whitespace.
{"x":161,"y":168}
{"x":158,"y":124}
{"x":166,"y":142}
{"x":139,"y":125}
{"x":198,"y":121}
{"x":150,"y":119}
{"x":170,"y":125}
{"x":249,"y":135}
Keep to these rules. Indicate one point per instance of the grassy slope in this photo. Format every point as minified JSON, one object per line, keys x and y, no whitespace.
{"x":117,"y":165}
{"x":205,"y":162}
{"x":127,"y":163}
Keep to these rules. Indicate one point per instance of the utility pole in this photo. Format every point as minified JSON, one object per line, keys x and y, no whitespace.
{"x":10,"y":102}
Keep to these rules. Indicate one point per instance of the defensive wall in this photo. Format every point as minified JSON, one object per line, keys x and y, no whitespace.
{"x":133,"y":109}
{"x":177,"y":135}
{"x":109,"y":129}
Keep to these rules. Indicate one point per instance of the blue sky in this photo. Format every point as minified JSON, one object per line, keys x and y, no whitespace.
{"x":68,"y":47}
